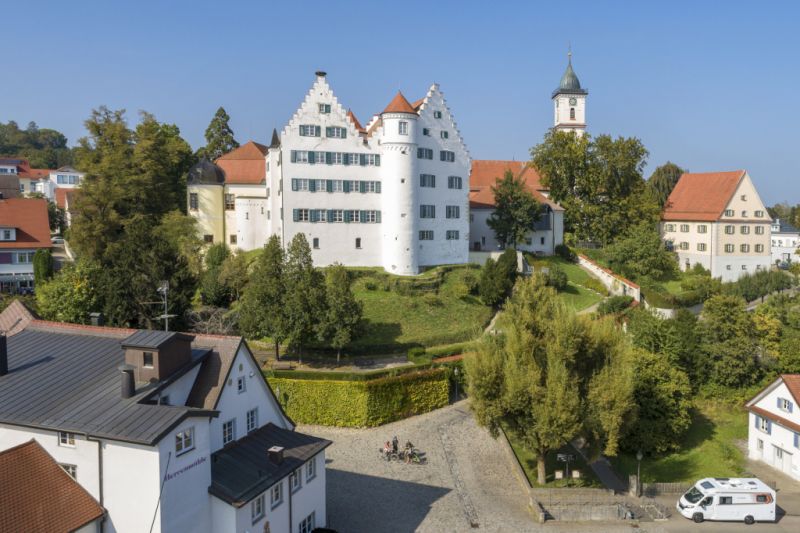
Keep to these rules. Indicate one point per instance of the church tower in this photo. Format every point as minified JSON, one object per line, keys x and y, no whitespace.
{"x":569,"y":102}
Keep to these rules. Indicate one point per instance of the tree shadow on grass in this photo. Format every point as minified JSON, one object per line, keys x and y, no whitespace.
{"x":358,"y":502}
{"x":701,"y":430}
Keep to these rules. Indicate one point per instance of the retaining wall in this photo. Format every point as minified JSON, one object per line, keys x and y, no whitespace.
{"x":616,"y":284}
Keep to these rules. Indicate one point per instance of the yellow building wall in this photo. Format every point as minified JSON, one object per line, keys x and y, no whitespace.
{"x":210,"y":213}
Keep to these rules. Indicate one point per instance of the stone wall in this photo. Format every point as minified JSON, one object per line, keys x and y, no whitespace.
{"x":616,"y":284}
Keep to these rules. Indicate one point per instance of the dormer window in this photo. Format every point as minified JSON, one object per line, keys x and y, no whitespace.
{"x":147,"y":359}
{"x":6,"y":234}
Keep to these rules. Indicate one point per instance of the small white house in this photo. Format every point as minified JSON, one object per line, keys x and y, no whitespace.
{"x":774,"y":434}
{"x":785,"y":242}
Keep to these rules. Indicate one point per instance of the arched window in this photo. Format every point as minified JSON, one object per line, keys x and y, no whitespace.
{"x":572,"y":113}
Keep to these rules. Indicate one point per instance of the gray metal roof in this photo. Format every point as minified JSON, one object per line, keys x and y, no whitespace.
{"x":243,"y":470}
{"x":65,"y":380}
{"x":148,"y":338}
{"x":569,"y":82}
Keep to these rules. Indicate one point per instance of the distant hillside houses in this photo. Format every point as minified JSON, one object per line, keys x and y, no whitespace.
{"x":40,"y":180}
{"x":400,"y":192}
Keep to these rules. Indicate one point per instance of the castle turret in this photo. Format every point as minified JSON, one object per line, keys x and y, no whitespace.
{"x":398,"y":170}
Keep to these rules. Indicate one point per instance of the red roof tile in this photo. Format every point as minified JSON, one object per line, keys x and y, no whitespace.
{"x":38,"y":495}
{"x":64,"y":197}
{"x":356,"y":123}
{"x":15,"y":317}
{"x":399,"y":104}
{"x":29,"y":217}
{"x":701,"y":196}
{"x":246,"y":165}
{"x":416,"y":105}
{"x":792,"y":382}
{"x":485,"y":173}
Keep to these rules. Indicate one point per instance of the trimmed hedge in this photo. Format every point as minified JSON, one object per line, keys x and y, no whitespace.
{"x":362,"y":403}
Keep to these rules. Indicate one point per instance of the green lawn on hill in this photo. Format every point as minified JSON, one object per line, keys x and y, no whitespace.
{"x":576,"y":295}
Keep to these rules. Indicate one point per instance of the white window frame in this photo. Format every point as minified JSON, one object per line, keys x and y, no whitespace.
{"x":338,"y":186}
{"x":303,"y":215}
{"x":452,"y":211}
{"x":228,"y":436}
{"x":702,"y":228}
{"x":252,"y":419}
{"x":308,"y":130}
{"x":184,"y":441}
{"x":427,"y":211}
{"x":684,"y":228}
{"x":311,"y":469}
{"x":701,"y":247}
{"x":402,"y":127}
{"x":338,"y":215}
{"x":427,"y":181}
{"x":337,"y":132}
{"x":308,"y":524}
{"x":729,"y":248}
{"x":730,"y":229}
{"x":744,"y":248}
{"x":729,"y":212}
{"x":257,"y":509}
{"x":452,"y":235}
{"x":784,"y":404}
{"x":71,"y":470}
{"x":295,"y":481}
{"x":759,"y":230}
{"x":241,"y":384}
{"x":426,"y":234}
{"x":66,"y":439}
{"x":763,"y":424}
{"x":744,"y":230}
{"x":337,"y":158}
{"x":455,"y":182}
{"x":324,"y":108}
{"x":276,"y":495}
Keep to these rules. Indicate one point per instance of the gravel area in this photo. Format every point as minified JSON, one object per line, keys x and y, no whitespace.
{"x":466,"y":485}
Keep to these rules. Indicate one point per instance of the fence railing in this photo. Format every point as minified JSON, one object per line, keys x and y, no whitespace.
{"x":655,"y":489}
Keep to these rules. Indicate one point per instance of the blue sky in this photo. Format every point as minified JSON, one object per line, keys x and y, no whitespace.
{"x":708,"y":85}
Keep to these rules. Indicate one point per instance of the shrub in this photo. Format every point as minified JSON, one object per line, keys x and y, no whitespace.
{"x":565,"y":252}
{"x":613,"y":305}
{"x":754,"y":286}
{"x":362,"y":403}
{"x":449,"y":349}
{"x":370,"y":285}
{"x":470,"y":281}
{"x":432,"y":300}
{"x":418,"y":356}
{"x":556,"y":278}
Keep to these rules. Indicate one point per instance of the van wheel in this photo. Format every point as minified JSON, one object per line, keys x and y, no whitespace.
{"x":697,"y":517}
{"x":749,"y":520}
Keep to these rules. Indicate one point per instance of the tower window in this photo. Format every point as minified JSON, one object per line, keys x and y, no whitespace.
{"x":316,"y":243}
{"x":572,"y":113}
{"x":358,"y":242}
{"x":403,"y":127}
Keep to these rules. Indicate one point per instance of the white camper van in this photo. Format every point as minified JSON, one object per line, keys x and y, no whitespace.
{"x":731,"y":499}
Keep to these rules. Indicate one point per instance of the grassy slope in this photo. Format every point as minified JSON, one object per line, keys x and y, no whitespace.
{"x":576,"y":296}
{"x":709,"y":449}
{"x":395,"y":319}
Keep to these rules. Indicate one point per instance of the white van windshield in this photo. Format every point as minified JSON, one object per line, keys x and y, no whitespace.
{"x":693,"y":496}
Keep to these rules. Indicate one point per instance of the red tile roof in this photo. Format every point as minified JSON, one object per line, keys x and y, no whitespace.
{"x":38,"y":495}
{"x":246,"y":165}
{"x":356,"y":123}
{"x":65,"y":196}
{"x":399,"y":104}
{"x":29,"y":217}
{"x":485,"y":173}
{"x":24,"y":169}
{"x":416,"y":105}
{"x":702,"y":196}
{"x":792,"y":382}
{"x":775,"y":418}
{"x":15,"y":317}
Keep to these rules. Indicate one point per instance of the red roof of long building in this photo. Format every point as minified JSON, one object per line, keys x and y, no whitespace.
{"x":246,"y":165}
{"x":29,"y":217}
{"x":38,"y":495}
{"x":702,"y":196}
{"x":485,"y":173}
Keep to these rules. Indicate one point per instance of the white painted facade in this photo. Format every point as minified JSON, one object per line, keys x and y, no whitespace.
{"x":549,"y":233}
{"x":774,"y":432}
{"x":375,"y":219}
{"x":737,"y":243}
{"x":785,"y":243}
{"x":126,"y":478}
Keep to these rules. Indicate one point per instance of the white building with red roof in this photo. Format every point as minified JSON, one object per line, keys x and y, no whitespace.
{"x":774,"y":428}
{"x":546,"y":233}
{"x":717,"y":220}
{"x":24,"y":229}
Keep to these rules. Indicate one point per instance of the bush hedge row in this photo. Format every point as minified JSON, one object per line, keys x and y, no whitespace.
{"x":362,"y":403}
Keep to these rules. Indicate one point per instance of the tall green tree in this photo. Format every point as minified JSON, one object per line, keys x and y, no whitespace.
{"x":262,"y":310}
{"x":42,"y":266}
{"x":663,"y":180}
{"x":343,"y":312}
{"x":551,"y":376}
{"x":598,"y":181}
{"x":219,"y":137}
{"x":212,"y":289}
{"x":641,"y":253}
{"x":516,"y":210}
{"x":72,"y":294}
{"x":305,"y":294}
{"x":663,"y":398}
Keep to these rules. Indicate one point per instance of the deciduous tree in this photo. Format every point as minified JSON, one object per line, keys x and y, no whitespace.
{"x":663,"y":180}
{"x":516,"y":210}
{"x":305,"y":294}
{"x":72,"y":294}
{"x":343,"y":312}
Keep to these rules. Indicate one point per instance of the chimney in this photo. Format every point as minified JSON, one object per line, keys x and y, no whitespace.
{"x":97,"y":319}
{"x":276,"y":454}
{"x":127,"y":385}
{"x":3,"y":355}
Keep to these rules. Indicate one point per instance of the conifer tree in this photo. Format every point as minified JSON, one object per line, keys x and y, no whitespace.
{"x":343,"y":312}
{"x":261,"y":311}
{"x":219,"y":137}
{"x":305,"y":293}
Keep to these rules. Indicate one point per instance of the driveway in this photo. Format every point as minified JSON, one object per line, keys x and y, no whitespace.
{"x":467,"y":484}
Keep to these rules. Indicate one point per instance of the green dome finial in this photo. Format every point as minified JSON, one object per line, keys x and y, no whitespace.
{"x":569,"y":81}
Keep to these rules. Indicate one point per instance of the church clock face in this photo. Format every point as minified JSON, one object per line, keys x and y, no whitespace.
{"x":573,"y":101}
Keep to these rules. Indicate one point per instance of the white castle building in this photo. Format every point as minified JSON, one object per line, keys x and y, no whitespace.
{"x":393,"y":194}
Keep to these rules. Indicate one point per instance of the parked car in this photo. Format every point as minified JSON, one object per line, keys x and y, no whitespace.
{"x":729,"y":499}
{"x":57,"y":239}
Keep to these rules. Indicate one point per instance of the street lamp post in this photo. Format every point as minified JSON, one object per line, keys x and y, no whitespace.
{"x":639,"y":456}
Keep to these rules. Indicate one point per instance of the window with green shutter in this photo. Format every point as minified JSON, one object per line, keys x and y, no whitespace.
{"x":362,"y":215}
{"x":295,"y":215}
{"x":346,"y":185}
{"x":362,"y":186}
{"x":362,"y":159}
{"x":294,"y":184}
{"x":378,"y":217}
{"x":377,"y":160}
{"x":378,"y":187}
{"x":329,"y":185}
{"x":312,"y":185}
{"x":312,"y":157}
